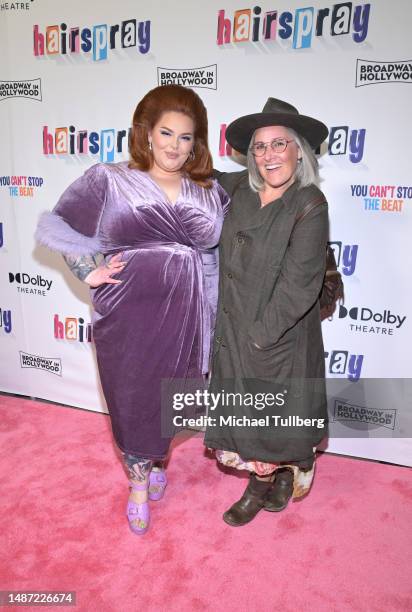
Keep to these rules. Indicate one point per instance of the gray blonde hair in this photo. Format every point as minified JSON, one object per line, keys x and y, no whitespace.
{"x":307,"y":171}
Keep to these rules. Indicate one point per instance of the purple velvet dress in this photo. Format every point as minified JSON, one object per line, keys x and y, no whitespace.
{"x":156,"y":324}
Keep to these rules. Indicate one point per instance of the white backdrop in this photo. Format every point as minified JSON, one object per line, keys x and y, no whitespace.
{"x":83,"y":66}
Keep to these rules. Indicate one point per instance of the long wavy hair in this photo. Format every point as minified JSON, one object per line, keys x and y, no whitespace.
{"x":148,"y":112}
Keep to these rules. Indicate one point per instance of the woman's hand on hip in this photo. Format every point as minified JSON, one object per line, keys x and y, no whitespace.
{"x":103,"y":274}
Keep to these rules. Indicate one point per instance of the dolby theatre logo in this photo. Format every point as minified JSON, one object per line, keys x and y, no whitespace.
{"x":16,"y":6}
{"x":34,"y":285}
{"x":369,"y":321}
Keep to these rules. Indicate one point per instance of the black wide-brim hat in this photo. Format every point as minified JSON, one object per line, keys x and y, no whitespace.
{"x":275,"y":112}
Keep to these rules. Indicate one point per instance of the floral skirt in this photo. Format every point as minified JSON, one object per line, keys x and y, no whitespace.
{"x":302,"y":480}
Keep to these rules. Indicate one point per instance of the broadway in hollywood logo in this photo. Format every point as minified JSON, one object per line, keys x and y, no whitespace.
{"x":47,"y":364}
{"x":31,"y":90}
{"x":343,"y":411}
{"x":205,"y":76}
{"x":369,"y":72}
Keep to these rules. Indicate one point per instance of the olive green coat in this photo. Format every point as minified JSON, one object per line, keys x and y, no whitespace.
{"x":268,"y":322}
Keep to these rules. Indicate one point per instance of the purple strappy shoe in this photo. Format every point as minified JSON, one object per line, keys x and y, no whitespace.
{"x":157,"y":484}
{"x":138,"y":513}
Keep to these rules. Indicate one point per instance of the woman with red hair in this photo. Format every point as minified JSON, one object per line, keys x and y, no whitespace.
{"x":156,"y":220}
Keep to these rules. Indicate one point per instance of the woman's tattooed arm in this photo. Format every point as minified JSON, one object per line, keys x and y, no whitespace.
{"x":81,"y":266}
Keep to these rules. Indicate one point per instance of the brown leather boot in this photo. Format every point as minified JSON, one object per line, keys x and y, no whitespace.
{"x":252,"y":500}
{"x":280,"y":492}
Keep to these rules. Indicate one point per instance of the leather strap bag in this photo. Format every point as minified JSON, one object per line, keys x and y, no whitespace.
{"x":332,"y":288}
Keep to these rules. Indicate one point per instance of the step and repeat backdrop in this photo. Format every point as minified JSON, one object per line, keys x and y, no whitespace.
{"x":71,"y":76}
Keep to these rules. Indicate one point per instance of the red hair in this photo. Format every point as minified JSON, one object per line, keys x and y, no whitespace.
{"x":178,"y":99}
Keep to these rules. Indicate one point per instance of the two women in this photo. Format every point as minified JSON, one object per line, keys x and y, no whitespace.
{"x":268,"y":340}
{"x":155,"y":219}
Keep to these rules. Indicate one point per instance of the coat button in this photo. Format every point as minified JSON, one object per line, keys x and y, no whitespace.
{"x":229,"y":275}
{"x":225,"y":310}
{"x":219,"y":339}
{"x":240,"y":238}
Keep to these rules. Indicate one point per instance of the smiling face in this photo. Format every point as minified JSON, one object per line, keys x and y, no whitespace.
{"x":172,"y":139}
{"x":277,"y":169}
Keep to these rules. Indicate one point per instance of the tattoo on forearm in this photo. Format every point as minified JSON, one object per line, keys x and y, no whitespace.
{"x":81,"y":266}
{"x":138,"y":467}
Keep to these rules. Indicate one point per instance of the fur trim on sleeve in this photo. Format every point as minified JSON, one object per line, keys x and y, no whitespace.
{"x":54,"y":233}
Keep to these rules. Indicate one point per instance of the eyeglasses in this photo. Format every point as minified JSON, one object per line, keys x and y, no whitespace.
{"x":278,"y":145}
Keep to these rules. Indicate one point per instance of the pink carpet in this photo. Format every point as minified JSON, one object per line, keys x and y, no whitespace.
{"x":345,"y":547}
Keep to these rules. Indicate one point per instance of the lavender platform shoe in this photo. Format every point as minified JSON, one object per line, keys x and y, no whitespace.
{"x":138,"y":514}
{"x":157,"y":484}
